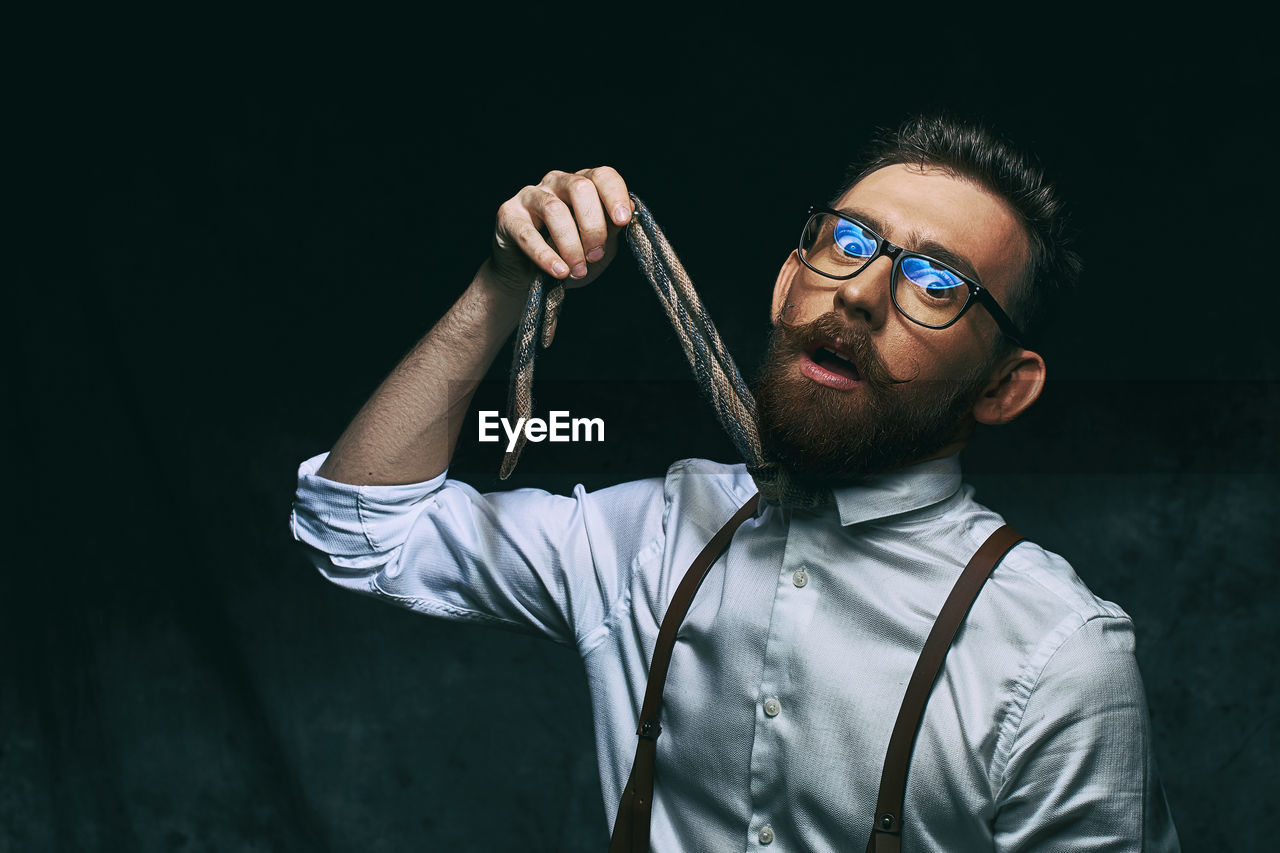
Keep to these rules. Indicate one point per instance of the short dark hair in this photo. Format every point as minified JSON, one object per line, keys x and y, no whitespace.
{"x":975,"y":152}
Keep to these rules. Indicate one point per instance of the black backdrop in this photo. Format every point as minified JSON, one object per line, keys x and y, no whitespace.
{"x":227,"y":234}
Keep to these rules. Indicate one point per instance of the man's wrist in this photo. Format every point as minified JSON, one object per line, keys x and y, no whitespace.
{"x":501,"y":288}
{"x":498,"y":300}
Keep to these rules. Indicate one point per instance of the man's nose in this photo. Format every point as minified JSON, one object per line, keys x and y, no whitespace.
{"x":866,"y":296}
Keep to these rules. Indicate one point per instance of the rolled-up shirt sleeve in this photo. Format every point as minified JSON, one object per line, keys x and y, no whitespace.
{"x":1081,"y":775}
{"x":525,"y":559}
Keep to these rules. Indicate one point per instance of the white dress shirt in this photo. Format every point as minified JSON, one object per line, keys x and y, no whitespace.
{"x":792,"y":662}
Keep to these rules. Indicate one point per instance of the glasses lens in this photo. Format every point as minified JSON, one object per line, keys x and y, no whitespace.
{"x":928,"y":292}
{"x":835,"y":245}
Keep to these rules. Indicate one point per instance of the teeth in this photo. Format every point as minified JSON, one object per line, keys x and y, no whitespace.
{"x":830,"y":353}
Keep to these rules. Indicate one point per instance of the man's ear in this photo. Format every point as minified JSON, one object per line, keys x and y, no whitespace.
{"x":1014,"y":386}
{"x":782,"y":287}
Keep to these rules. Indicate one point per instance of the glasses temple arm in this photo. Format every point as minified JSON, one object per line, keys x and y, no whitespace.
{"x":1002,"y":319}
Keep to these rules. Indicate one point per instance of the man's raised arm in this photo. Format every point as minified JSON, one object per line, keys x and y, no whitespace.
{"x":566,"y":227}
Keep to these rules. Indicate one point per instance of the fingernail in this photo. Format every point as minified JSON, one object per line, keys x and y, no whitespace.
{"x":595,"y":254}
{"x":560,"y":268}
{"x":621,"y":214}
{"x":579,"y":271}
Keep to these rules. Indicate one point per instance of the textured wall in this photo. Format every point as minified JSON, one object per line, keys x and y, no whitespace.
{"x":223,"y":247}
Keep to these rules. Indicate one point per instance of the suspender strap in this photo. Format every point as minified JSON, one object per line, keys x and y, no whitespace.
{"x":886,"y":832}
{"x":631,"y":829}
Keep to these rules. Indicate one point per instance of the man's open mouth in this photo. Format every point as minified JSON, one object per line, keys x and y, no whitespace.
{"x":831,"y":359}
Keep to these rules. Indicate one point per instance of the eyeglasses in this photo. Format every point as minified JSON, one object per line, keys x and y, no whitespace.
{"x":926,"y":291}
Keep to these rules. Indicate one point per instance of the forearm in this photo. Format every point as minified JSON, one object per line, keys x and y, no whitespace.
{"x":408,"y":429}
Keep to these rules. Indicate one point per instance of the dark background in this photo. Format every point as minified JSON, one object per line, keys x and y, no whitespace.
{"x":228,"y":232}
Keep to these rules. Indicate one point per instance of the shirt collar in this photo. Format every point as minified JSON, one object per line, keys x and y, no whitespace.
{"x":914,"y":487}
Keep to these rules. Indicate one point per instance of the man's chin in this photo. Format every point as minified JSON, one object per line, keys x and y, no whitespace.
{"x":819,"y":433}
{"x":825,"y":435}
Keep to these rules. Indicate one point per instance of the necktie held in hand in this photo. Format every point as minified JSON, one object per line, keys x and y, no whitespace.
{"x":713,"y":367}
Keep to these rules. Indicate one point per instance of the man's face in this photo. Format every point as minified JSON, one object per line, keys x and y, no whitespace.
{"x":911,"y":393}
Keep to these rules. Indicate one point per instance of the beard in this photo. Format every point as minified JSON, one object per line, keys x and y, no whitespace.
{"x":824,"y":436}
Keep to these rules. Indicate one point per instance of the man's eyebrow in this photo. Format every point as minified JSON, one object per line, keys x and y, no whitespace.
{"x":866,"y":218}
{"x":939,"y":252}
{"x":913,"y":243}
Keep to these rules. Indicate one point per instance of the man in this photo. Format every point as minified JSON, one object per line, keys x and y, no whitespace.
{"x":903,"y":318}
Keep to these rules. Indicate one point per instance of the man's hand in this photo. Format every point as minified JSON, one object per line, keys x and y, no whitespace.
{"x":566,"y":226}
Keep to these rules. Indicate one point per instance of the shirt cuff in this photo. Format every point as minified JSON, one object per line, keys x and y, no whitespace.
{"x":355,"y":523}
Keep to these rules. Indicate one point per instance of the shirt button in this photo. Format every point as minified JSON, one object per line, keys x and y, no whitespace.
{"x":800,"y":578}
{"x":772,"y":708}
{"x":766,"y":834}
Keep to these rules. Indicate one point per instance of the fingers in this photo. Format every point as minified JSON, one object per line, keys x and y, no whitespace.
{"x":589,"y":215}
{"x":562,"y":227}
{"x":515,"y":224}
{"x":612,"y":191}
{"x":588,"y":203}
{"x":565,"y":222}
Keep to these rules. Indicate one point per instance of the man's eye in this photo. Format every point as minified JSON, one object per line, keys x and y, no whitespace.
{"x":854,"y":240}
{"x":937,"y":282}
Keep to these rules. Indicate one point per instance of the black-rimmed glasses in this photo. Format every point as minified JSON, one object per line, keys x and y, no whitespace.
{"x":926,"y":291}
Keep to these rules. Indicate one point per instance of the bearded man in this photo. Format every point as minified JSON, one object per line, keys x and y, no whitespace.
{"x":905,"y":316}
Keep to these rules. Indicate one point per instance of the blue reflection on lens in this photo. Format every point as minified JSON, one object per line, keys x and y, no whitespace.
{"x":929,"y":276}
{"x":854,"y":240}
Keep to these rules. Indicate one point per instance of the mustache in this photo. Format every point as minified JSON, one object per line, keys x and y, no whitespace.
{"x":796,"y":338}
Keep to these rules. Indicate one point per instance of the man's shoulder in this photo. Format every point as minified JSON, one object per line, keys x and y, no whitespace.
{"x":1041,"y":583}
{"x":704,"y":491}
{"x":1061,"y":583}
{"x":694,"y":477}
{"x":693,"y":487}
{"x":696,"y":473}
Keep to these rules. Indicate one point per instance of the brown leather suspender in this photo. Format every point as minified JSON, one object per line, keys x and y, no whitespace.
{"x":631,"y":828}
{"x":886,"y":831}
